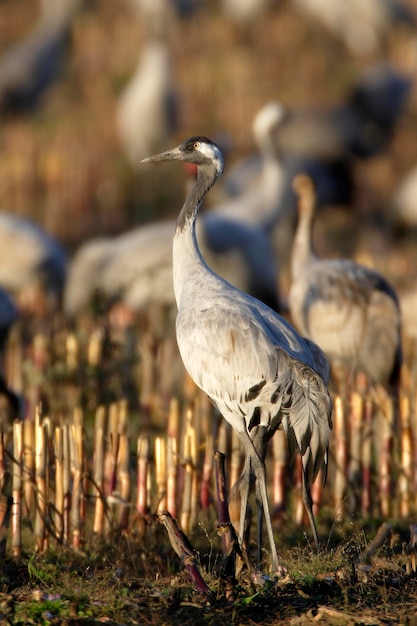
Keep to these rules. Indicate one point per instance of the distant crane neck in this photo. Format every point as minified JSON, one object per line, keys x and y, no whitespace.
{"x":269,"y":150}
{"x":303,"y":251}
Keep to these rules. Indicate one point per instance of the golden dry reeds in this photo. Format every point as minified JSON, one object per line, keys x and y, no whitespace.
{"x":98,"y":471}
{"x":41,"y":484}
{"x":59,"y":483}
{"x":17,"y":489}
{"x":66,"y":477}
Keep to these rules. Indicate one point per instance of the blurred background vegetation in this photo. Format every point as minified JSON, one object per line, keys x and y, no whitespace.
{"x":62,"y":162}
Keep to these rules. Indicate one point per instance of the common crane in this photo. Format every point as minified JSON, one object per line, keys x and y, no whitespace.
{"x":349,"y":310}
{"x":257,"y":370}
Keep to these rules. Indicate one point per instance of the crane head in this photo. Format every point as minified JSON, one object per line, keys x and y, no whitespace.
{"x":197,"y":150}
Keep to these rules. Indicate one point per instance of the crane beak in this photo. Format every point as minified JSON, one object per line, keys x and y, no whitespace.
{"x":169,"y":155}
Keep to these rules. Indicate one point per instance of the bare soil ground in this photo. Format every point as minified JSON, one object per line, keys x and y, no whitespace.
{"x":123,"y":580}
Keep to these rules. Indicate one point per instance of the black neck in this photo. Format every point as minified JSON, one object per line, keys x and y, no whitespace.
{"x":206,"y":178}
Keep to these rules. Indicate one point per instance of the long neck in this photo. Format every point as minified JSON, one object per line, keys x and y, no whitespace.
{"x":187,"y":258}
{"x":272,"y":180}
{"x":273,"y":171}
{"x":303,"y":251}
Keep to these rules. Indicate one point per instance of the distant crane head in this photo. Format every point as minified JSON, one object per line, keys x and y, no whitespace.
{"x":268,"y":119}
{"x":305,"y":190}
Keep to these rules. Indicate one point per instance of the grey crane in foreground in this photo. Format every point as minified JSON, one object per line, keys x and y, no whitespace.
{"x":349,"y":310}
{"x":257,"y":370}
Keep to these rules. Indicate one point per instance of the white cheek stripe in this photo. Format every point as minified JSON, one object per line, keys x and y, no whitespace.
{"x":213,"y":153}
{"x":209,"y":151}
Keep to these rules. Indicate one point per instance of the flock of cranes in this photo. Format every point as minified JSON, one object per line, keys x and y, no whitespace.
{"x":222,"y":270}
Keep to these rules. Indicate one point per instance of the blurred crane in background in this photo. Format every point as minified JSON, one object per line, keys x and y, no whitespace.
{"x":30,"y":66}
{"x":362,"y":26}
{"x":361,"y":126}
{"x":244,"y":12}
{"x":158,"y":16}
{"x":147,"y":110}
{"x":32,"y":265}
{"x":11,"y":409}
{"x":260,"y":186}
{"x":403,"y":210}
{"x":349,"y":310}
{"x":255,"y":183}
{"x":407,"y":294}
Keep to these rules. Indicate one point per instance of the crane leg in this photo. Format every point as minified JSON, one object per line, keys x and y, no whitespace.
{"x":308,"y":503}
{"x":245,"y":484}
{"x":255,"y":466}
{"x":259,"y":471}
{"x":260,"y":511}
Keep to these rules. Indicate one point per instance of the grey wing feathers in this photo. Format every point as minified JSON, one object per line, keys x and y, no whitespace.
{"x":238,"y":348}
{"x":306,"y":409}
{"x":320,"y":359}
{"x":344,"y":280}
{"x":252,"y":365}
